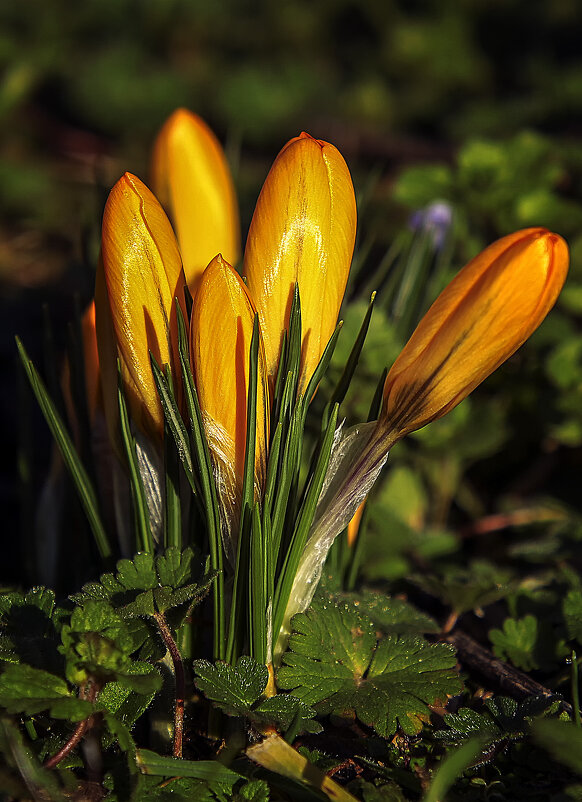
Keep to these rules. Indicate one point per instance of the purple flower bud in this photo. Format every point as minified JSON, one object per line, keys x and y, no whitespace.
{"x":435,"y":220}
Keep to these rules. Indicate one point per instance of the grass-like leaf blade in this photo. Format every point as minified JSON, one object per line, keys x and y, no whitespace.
{"x":69,"y":453}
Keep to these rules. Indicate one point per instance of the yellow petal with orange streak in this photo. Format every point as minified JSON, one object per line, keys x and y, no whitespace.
{"x":302,"y":232}
{"x":221,"y":331}
{"x":143,"y":275}
{"x":191,"y":178}
{"x":479,"y":320}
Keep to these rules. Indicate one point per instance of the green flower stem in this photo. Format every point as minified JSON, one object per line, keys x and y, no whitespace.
{"x":575,"y":690}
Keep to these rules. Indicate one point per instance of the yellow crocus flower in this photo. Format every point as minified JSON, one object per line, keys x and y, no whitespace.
{"x":141,"y":276}
{"x":221,"y":330}
{"x":191,"y":178}
{"x":302,"y":232}
{"x":479,"y":320}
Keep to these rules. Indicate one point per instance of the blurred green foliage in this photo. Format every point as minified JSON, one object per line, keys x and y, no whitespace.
{"x":390,"y":81}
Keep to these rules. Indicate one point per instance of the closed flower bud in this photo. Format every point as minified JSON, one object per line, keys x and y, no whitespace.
{"x":221,"y":331}
{"x":191,"y":178}
{"x":479,"y":320}
{"x":142,"y":275}
{"x":302,"y":232}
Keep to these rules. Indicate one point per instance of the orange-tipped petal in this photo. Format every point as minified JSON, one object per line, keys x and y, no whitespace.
{"x":91,"y":368}
{"x":354,"y":524}
{"x":143,"y":275}
{"x":191,"y":177}
{"x":479,"y":320}
{"x":221,"y":330}
{"x":303,"y":231}
{"x":91,"y":357}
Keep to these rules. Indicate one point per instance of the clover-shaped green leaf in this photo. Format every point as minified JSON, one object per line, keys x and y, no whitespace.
{"x":238,"y":691}
{"x":337,"y":664}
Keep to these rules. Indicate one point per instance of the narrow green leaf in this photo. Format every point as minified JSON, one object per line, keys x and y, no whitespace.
{"x":173,"y":420}
{"x":272,"y":470}
{"x":250,"y":444}
{"x":209,"y":494}
{"x":241,"y":595}
{"x":345,"y":379}
{"x":451,"y":769}
{"x":209,"y":770}
{"x":172,"y":505}
{"x":257,"y":591}
{"x":40,"y":783}
{"x":140,"y":507}
{"x":303,"y":525}
{"x":376,"y":403}
{"x":322,"y":366}
{"x":295,"y":334}
{"x":79,"y":476}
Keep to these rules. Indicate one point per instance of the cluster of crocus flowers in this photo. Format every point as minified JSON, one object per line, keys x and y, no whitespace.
{"x":302,"y":235}
{"x":301,"y":238}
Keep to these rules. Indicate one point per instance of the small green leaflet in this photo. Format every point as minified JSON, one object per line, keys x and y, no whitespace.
{"x":516,"y":641}
{"x":336,"y":663}
{"x":502,"y":719}
{"x":237,"y":690}
{"x":98,"y":642}
{"x":253,"y":791}
{"x":234,"y":688}
{"x":528,"y":643}
{"x":148,"y":585}
{"x":24,"y":689}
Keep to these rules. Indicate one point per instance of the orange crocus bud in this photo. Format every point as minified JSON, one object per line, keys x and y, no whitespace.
{"x":136,"y":312}
{"x":479,"y":320}
{"x":221,"y":331}
{"x":302,"y":232}
{"x":192,"y":180}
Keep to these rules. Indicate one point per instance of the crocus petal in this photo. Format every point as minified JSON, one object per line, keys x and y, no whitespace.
{"x":92,"y":373}
{"x":221,"y":330}
{"x":143,"y":275}
{"x":354,"y":524}
{"x":91,"y":356}
{"x":191,"y":177}
{"x":477,"y":322}
{"x":302,"y":232}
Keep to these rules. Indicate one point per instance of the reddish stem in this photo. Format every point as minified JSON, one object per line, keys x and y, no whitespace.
{"x":179,"y":681}
{"x":78,"y":732}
